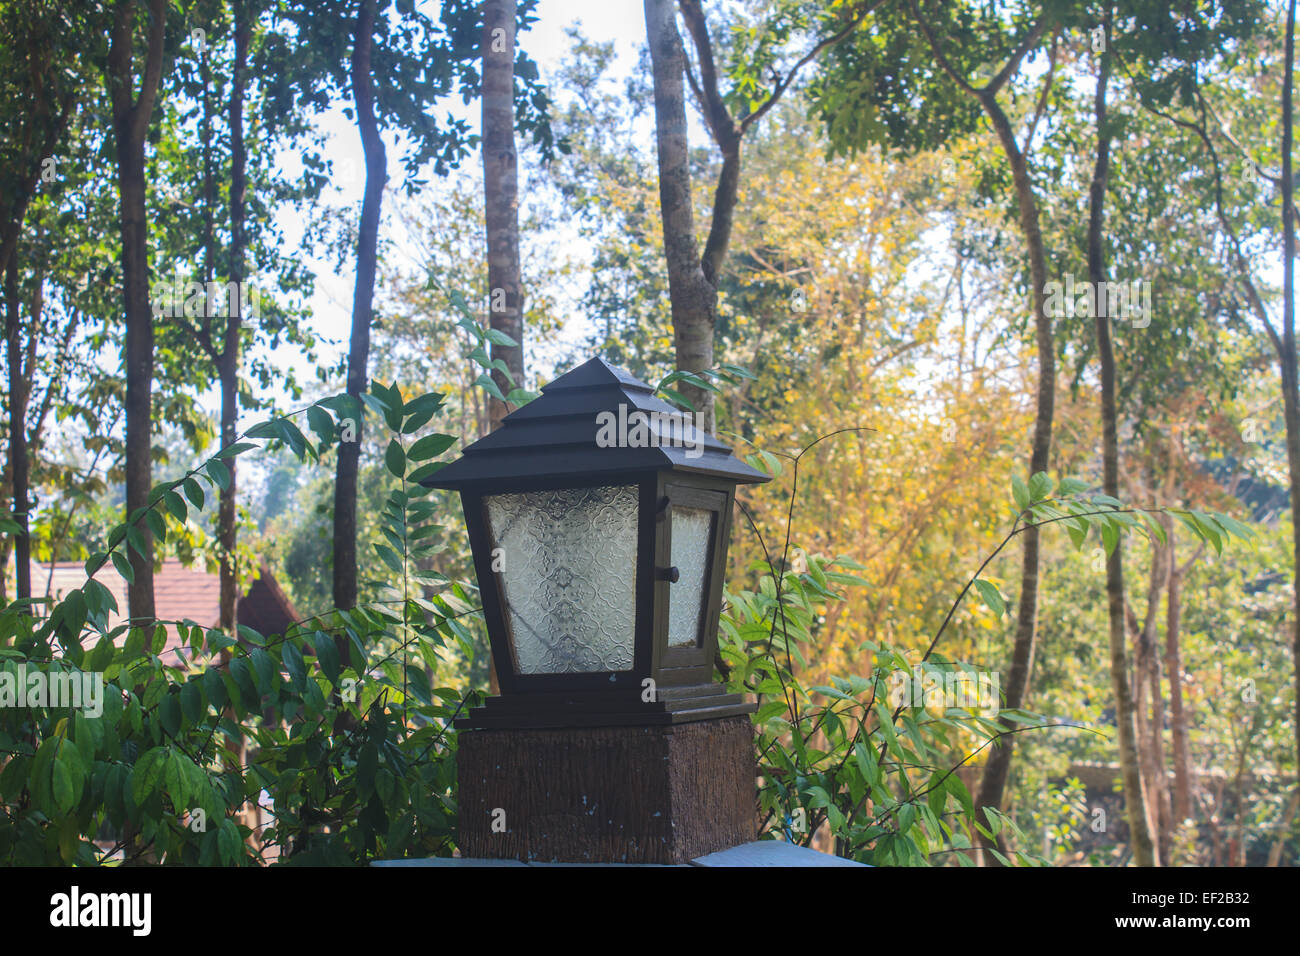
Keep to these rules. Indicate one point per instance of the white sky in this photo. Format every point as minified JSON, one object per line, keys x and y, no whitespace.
{"x":622,"y":21}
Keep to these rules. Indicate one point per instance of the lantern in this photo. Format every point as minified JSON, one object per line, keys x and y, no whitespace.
{"x":599,"y":518}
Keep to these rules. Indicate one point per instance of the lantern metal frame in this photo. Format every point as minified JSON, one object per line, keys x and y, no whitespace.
{"x":551,"y":444}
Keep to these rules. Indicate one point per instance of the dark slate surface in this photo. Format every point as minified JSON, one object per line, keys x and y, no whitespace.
{"x":554,"y":436}
{"x":758,"y":853}
{"x":771,"y":853}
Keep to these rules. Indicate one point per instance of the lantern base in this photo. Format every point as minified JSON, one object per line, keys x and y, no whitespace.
{"x":661,"y":794}
{"x":672,"y":705}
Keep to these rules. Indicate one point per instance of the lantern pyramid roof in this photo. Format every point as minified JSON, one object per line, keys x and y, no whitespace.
{"x":565,"y":434}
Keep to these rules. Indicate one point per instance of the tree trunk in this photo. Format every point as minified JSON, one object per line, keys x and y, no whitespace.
{"x":1182,"y":802}
{"x":1151,"y":718}
{"x":1144,"y":852}
{"x":501,"y":196}
{"x":345,"y":488}
{"x":131,"y":115}
{"x":228,"y":365}
{"x":993,"y":782}
{"x":1158,"y":776}
{"x":18,"y":463}
{"x":1291,"y":398}
{"x":42,"y":127}
{"x":694,"y":300}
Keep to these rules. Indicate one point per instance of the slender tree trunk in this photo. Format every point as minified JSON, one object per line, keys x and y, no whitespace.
{"x":228,"y":370}
{"x":1182,"y":802}
{"x":18,"y":462}
{"x":1280,"y":841}
{"x":229,"y":361}
{"x":501,"y":196}
{"x":1159,"y":776}
{"x":694,"y":299}
{"x":1291,"y":397}
{"x":1151,"y":718}
{"x":131,"y":116}
{"x":993,"y":783}
{"x":1144,"y":852}
{"x":345,"y":488}
{"x":693,"y":276}
{"x":42,"y":127}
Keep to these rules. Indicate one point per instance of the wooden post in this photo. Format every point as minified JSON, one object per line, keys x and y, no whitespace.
{"x":650,"y":794}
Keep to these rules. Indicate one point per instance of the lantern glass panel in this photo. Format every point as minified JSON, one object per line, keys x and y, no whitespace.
{"x":567,"y":562}
{"x":692,"y":544}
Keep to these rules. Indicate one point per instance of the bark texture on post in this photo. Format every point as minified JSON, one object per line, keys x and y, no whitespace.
{"x":664,"y":794}
{"x":501,"y":197}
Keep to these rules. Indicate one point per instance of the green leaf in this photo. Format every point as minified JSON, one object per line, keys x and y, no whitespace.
{"x":123,"y":567}
{"x":320,"y":422}
{"x":1109,"y":537}
{"x":266,"y":429}
{"x":1154,"y":527}
{"x":428,"y":402}
{"x":64,"y":796}
{"x":395,"y":459}
{"x":1040,"y":486}
{"x":215,"y":687}
{"x":193,"y":491}
{"x":327,"y":654}
{"x":497,"y":337}
{"x":1019,"y":492}
{"x":294,"y":664}
{"x":1071,"y":486}
{"x":519,"y":397}
{"x":169,"y":714}
{"x":430,"y":446}
{"x":148,"y":773}
{"x":390,"y":557}
{"x":1233,"y":526}
{"x":424,"y":471}
{"x":219,"y":473}
{"x":991,"y":596}
{"x":192,"y":703}
{"x":367,"y":763}
{"x":238,"y":448}
{"x":242,"y":675}
{"x":485,"y":382}
{"x":176,"y":780}
{"x":676,"y":397}
{"x":263,"y":669}
{"x":176,"y":505}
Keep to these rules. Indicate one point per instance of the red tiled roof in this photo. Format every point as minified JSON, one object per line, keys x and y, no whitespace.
{"x":179,"y":594}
